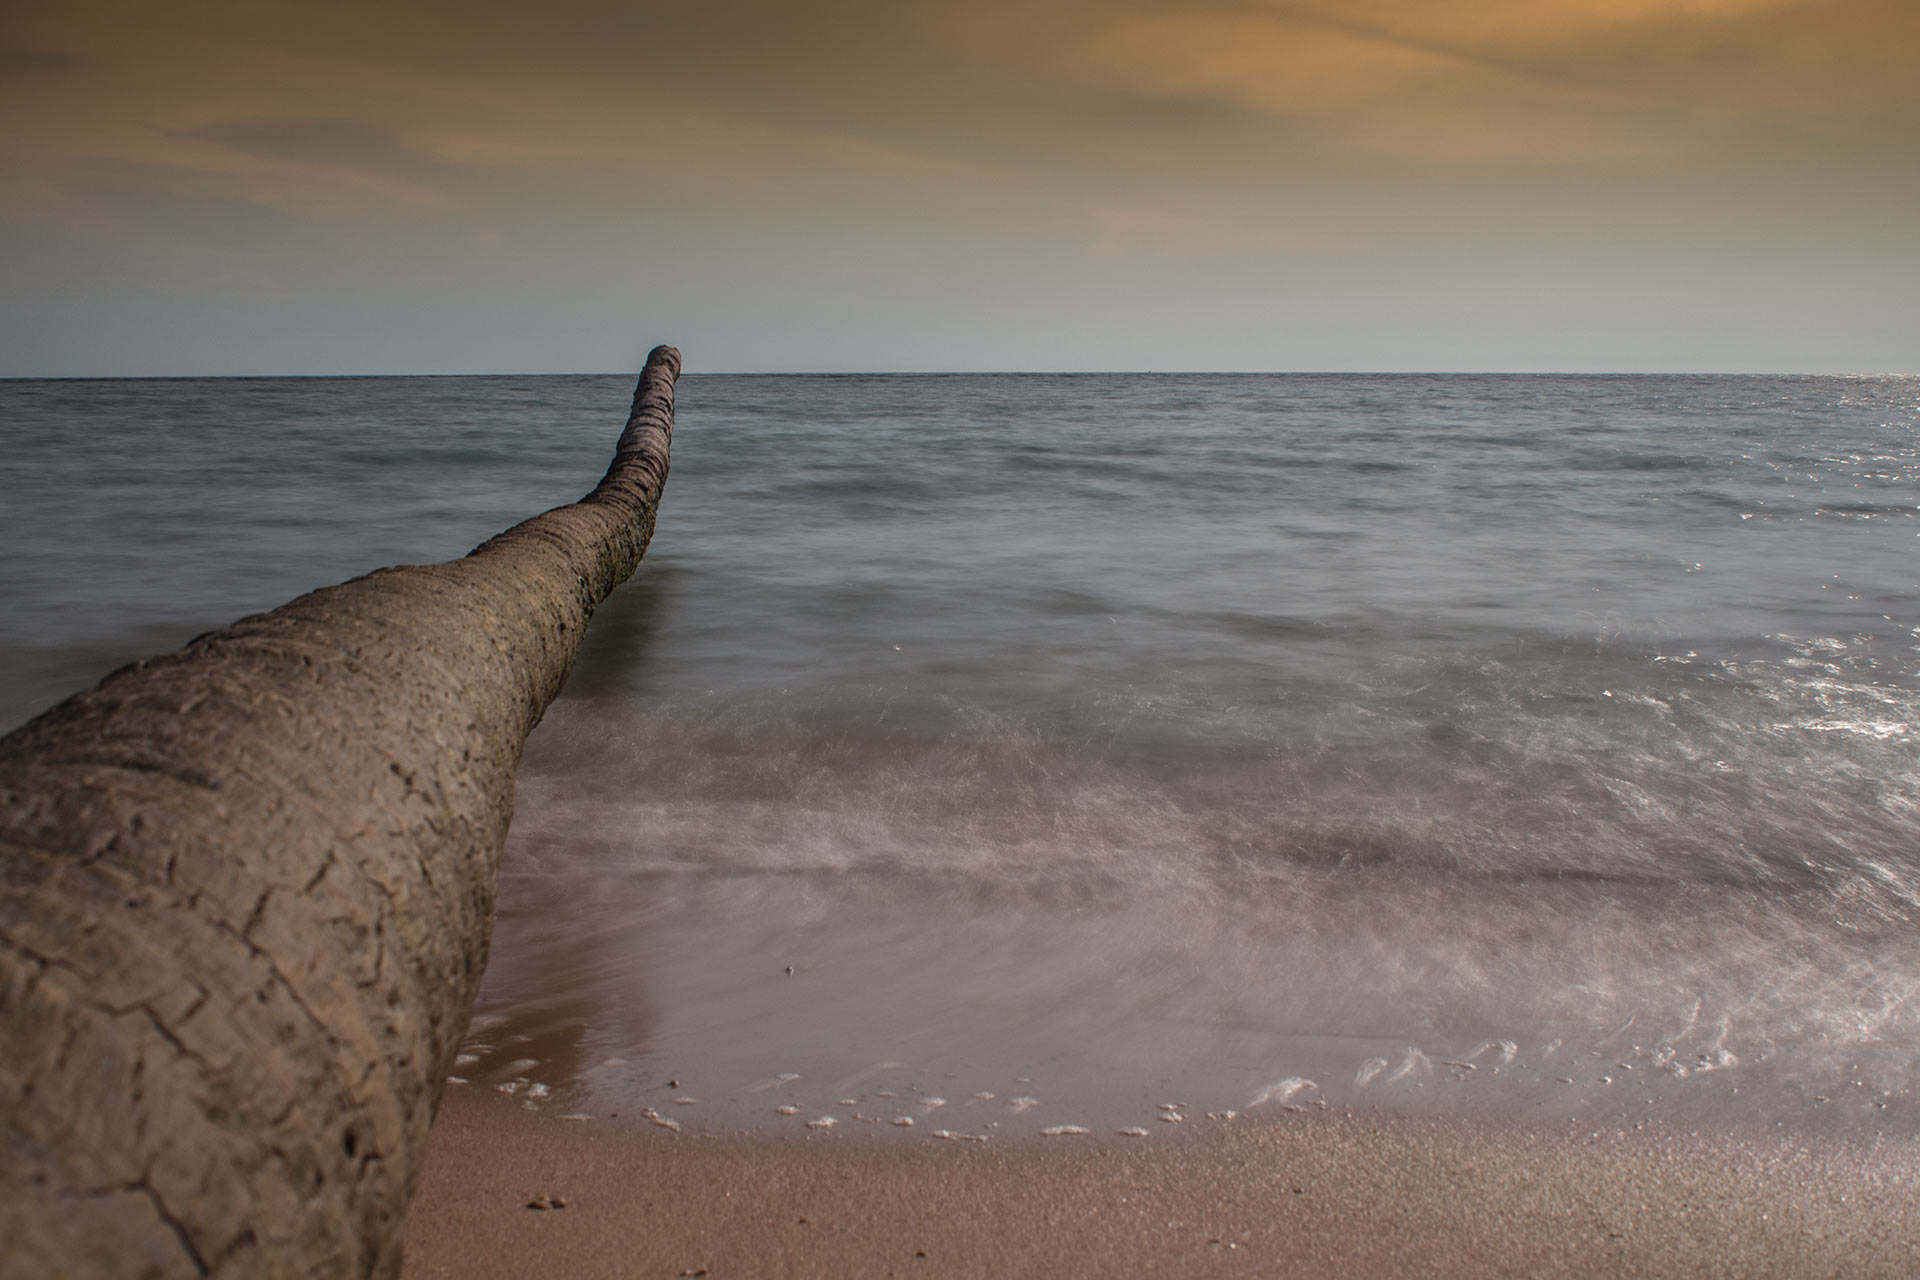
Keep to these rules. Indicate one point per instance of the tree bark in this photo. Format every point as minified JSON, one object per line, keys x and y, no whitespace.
{"x":245,"y":896}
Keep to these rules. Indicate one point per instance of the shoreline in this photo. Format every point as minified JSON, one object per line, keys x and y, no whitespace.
{"x":1331,"y":1193}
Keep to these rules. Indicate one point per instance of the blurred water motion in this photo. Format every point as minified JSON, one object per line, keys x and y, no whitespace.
{"x":1226,"y":730}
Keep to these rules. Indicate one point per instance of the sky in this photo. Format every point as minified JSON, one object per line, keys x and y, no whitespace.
{"x":475,"y":186}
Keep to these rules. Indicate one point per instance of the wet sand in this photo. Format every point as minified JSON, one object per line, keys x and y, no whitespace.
{"x":1316,"y":1193}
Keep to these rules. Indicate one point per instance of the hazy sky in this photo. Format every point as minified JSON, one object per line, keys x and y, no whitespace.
{"x":287,"y":186}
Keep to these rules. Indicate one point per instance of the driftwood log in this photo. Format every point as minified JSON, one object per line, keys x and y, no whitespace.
{"x":245,"y":895}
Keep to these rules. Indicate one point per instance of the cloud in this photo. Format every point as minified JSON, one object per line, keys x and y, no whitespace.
{"x":1071,"y":90}
{"x":25,"y":63}
{"x":1521,"y":24}
{"x":345,"y":143}
{"x":917,"y":158}
{"x":1556,"y":82}
{"x":1354,"y":89}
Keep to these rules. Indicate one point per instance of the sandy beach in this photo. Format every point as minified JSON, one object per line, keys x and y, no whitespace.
{"x":1319,"y":1193}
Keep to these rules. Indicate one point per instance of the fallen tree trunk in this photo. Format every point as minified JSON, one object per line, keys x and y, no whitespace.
{"x":245,"y":895}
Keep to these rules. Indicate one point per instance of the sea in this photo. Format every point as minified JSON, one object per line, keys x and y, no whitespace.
{"x":981,"y":757}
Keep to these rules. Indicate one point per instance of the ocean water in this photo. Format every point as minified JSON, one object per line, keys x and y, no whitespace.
{"x":1004,"y":753}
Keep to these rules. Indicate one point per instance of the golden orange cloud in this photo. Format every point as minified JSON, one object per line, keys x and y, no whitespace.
{"x":1557,"y":81}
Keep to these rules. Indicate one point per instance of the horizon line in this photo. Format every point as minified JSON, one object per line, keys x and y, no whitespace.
{"x":990,"y":373}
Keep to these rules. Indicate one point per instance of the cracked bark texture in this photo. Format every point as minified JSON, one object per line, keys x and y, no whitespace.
{"x":245,"y":895}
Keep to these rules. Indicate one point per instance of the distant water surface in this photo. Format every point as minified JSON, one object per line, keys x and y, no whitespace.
{"x":1535,"y":742}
